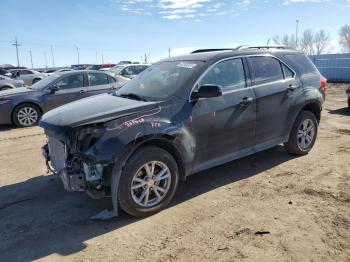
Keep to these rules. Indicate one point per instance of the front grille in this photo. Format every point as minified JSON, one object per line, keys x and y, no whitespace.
{"x":57,"y":154}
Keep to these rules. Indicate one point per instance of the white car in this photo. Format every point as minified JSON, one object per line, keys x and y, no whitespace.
{"x":29,"y":76}
{"x":128,"y":71}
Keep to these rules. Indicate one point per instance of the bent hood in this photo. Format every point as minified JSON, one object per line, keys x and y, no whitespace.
{"x":95,"y":109}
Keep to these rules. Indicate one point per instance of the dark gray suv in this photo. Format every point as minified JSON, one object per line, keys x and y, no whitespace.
{"x":180,"y":116}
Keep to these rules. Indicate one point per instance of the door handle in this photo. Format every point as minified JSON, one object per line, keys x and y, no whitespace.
{"x":82,"y":91}
{"x":292,"y":87}
{"x":246,"y":101}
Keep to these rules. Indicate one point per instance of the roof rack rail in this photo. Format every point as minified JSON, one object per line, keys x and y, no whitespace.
{"x":212,"y":50}
{"x":261,"y":47}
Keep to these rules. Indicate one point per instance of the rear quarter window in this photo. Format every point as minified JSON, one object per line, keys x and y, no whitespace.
{"x":301,"y":63}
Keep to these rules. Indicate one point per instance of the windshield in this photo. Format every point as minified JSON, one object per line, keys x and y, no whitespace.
{"x":161,"y":80}
{"x":44,"y":82}
{"x":117,"y":69}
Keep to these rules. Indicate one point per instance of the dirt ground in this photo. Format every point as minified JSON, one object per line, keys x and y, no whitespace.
{"x":302,"y":204}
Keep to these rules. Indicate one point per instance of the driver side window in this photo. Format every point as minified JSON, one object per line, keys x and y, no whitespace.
{"x":72,"y":81}
{"x":229,"y":75}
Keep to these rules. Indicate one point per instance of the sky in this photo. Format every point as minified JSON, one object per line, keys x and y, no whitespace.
{"x":115,"y":30}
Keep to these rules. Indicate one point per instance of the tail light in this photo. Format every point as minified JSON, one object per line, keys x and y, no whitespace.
{"x":323,"y":82}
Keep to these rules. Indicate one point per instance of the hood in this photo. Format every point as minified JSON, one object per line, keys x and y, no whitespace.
{"x":15,"y":91}
{"x":95,"y":109}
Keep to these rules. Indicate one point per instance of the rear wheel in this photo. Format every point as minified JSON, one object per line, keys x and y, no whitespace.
{"x":148,"y":182}
{"x":26,"y":115}
{"x":303,"y":134}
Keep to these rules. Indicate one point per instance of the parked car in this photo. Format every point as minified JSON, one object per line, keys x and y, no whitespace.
{"x":348,"y":93}
{"x":24,"y":106}
{"x":129,"y":71}
{"x":181,"y":116}
{"x":4,"y":72}
{"x":7,"y":83}
{"x":99,"y":67}
{"x":29,"y":76}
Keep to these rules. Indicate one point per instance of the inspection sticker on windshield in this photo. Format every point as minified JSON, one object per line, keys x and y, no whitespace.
{"x":186,"y":65}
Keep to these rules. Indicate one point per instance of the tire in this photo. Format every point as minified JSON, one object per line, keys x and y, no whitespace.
{"x":304,"y":130}
{"x":135,"y":170}
{"x":3,"y":88}
{"x":35,"y":80}
{"x":26,"y":115}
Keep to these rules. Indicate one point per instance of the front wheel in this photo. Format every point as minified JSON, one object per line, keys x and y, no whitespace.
{"x":26,"y":115}
{"x":148,"y":182}
{"x":303,"y":135}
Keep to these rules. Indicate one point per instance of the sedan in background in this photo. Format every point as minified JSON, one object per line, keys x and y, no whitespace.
{"x":99,"y":67}
{"x":29,"y":76}
{"x":24,"y":106}
{"x":128,"y":71}
{"x":7,"y":83}
{"x":4,"y":72}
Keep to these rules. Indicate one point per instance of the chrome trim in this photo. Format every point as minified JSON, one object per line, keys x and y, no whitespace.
{"x":236,"y":57}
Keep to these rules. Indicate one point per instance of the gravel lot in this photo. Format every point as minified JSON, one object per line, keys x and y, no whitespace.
{"x":302,"y":204}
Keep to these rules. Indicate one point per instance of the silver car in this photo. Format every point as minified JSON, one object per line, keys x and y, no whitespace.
{"x":129,"y":70}
{"x":8,"y":83}
{"x":29,"y":76}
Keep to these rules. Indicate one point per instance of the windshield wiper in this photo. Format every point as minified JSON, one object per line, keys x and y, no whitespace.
{"x":133,"y":96}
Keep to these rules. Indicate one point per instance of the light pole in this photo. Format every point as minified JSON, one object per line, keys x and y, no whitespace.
{"x":16,"y":44}
{"x":31,"y":58}
{"x":77,"y":48}
{"x":53,"y":59}
{"x":45,"y":60}
{"x":169,"y":51}
{"x":296,"y":34}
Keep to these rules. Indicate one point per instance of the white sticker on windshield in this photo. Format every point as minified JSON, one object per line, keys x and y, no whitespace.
{"x":186,"y":65}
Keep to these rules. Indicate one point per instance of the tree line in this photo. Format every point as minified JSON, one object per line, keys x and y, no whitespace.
{"x":314,"y":43}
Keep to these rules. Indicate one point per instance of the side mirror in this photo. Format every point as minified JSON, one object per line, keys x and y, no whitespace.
{"x":54,"y":89}
{"x":207,"y":91}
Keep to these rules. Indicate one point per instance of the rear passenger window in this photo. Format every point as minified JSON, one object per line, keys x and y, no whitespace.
{"x":228,"y":74}
{"x":287,"y":72}
{"x":96,"y":79}
{"x":265,"y":69}
{"x":111,"y":79}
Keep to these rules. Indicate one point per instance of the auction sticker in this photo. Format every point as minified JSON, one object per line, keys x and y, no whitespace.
{"x":186,"y":65}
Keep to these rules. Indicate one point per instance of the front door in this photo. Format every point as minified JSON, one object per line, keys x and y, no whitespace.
{"x":224,"y":127}
{"x":70,"y":88}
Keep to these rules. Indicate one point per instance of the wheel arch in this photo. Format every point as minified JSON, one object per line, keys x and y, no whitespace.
{"x":314,"y":107}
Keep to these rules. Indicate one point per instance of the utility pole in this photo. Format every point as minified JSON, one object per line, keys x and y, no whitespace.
{"x":16,"y":44}
{"x":31,"y":58}
{"x":45,"y":60}
{"x":296,"y":34}
{"x":53,"y":59}
{"x":169,"y":51}
{"x":77,"y":48}
{"x":96,"y":57}
{"x":102,"y":59}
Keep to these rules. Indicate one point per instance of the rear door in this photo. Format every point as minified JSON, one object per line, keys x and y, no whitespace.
{"x":275,"y":88}
{"x":99,"y":83}
{"x":224,"y":125}
{"x":71,"y":88}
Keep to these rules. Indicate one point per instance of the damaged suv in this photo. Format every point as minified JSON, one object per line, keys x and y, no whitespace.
{"x":180,"y":116}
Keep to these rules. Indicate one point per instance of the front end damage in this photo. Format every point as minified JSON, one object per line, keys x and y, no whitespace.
{"x":65,"y":156}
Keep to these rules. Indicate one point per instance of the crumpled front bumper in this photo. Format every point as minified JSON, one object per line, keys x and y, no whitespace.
{"x":72,"y":181}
